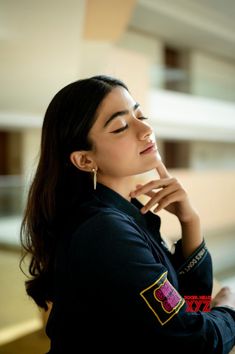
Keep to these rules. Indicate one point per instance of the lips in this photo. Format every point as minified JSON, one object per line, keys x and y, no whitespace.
{"x":148,"y":148}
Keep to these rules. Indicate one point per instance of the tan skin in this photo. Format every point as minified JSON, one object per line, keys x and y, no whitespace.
{"x":120,"y":137}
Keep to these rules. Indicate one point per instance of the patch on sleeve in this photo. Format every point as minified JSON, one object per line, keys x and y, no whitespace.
{"x":163,"y":299}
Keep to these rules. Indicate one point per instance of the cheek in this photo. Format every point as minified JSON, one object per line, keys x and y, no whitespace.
{"x":115,"y":153}
{"x":113,"y":150}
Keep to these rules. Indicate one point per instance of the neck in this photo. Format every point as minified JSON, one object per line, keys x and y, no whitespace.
{"x":122,"y":186}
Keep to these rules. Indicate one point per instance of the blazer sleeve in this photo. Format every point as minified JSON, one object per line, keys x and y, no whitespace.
{"x":195,"y":274}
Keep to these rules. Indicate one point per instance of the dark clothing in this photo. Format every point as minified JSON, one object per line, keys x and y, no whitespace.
{"x":118,"y":287}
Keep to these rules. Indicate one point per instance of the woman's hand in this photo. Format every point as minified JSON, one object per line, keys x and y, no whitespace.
{"x":225,"y":297}
{"x":168,"y":194}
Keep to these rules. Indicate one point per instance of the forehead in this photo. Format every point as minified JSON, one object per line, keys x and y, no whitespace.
{"x":117,"y":100}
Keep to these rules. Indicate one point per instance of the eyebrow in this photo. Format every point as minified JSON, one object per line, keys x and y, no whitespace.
{"x":120,"y":113}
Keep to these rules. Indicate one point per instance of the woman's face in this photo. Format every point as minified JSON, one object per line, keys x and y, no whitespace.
{"x":123,"y":141}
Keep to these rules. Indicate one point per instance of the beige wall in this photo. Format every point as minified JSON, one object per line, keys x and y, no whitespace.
{"x":132,"y":58}
{"x":41,"y":53}
{"x":105,"y":19}
{"x":102,"y":57}
{"x":125,"y":64}
{"x":151,"y":48}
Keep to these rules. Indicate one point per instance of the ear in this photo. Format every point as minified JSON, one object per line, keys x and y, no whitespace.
{"x":82,"y":160}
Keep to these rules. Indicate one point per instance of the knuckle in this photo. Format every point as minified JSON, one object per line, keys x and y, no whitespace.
{"x":152,"y":183}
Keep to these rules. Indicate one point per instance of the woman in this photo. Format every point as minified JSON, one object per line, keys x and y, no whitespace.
{"x":96,"y":252}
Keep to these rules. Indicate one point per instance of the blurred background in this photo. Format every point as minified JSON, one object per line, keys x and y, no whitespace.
{"x":178,"y":59}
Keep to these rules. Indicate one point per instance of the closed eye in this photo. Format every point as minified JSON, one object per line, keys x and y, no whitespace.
{"x":142,"y":118}
{"x":120,"y":129}
{"x":126,"y":126}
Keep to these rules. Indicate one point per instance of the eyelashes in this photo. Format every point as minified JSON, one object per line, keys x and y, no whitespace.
{"x":120,"y":129}
{"x":126,"y":126}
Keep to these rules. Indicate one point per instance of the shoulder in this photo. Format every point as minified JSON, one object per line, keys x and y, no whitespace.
{"x":107,"y":219}
{"x":111,"y":237}
{"x":107,"y":225}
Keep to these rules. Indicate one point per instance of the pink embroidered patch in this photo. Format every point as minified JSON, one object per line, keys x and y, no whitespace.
{"x":163,"y":299}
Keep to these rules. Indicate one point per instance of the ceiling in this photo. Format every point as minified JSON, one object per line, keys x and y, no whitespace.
{"x":206,"y":25}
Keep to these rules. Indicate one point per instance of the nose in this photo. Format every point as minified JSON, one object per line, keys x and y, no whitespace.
{"x":144,"y":130}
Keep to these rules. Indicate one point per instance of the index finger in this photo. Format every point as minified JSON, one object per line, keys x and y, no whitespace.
{"x":162,"y":170}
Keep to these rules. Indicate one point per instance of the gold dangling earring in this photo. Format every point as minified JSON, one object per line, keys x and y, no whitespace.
{"x":94,"y":177}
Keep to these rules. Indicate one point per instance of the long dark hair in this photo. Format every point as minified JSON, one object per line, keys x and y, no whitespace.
{"x":67,"y":122}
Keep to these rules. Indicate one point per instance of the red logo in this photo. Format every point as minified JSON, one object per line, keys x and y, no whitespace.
{"x":198,"y":303}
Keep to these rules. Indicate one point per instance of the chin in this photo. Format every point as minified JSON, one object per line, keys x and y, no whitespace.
{"x":154,"y":164}
{"x":158,"y":156}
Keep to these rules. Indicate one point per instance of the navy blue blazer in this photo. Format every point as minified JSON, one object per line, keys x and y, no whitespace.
{"x":118,"y":287}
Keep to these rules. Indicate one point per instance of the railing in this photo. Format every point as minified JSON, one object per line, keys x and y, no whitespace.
{"x":177,"y":115}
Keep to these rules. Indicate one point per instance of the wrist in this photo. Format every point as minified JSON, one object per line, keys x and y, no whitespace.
{"x":226,"y":306}
{"x":192,"y":219}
